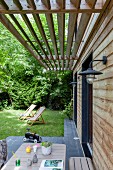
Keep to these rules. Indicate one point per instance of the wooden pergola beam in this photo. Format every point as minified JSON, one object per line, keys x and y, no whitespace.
{"x":3,"y":4}
{"x":45,"y":11}
{"x":5,"y":21}
{"x":18,"y":4}
{"x":91,"y":3}
{"x":60,"y":58}
{"x":23,"y":32}
{"x":46,"y":3}
{"x":61,"y":28}
{"x":28,"y":23}
{"x":76,"y":3}
{"x":42,"y":32}
{"x":81,"y":30}
{"x":49,"y":6}
{"x":50,"y":23}
{"x":31,"y":4}
{"x":61,"y":3}
{"x":93,"y":30}
{"x":71,"y":29}
{"x":51,"y":26}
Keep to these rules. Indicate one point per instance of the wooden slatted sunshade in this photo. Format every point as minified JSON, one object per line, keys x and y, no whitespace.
{"x":57,"y":49}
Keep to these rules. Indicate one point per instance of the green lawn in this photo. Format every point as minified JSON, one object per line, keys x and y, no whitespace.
{"x":10,"y":125}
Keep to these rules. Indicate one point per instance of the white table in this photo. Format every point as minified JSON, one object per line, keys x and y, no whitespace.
{"x":58,"y":152}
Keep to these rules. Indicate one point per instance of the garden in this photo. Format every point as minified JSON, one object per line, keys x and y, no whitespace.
{"x":24,"y":82}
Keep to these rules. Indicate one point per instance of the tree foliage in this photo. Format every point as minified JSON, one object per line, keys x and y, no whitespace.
{"x":25,"y":81}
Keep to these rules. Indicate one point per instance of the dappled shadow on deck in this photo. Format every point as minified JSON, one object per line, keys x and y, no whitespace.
{"x":70,"y":138}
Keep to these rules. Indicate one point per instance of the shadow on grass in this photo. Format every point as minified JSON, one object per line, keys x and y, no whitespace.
{"x":11,"y":126}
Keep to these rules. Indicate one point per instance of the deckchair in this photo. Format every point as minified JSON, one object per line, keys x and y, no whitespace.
{"x":37,"y":117}
{"x":27,"y":113}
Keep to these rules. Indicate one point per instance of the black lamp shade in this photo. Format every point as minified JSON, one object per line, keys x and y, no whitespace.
{"x":73,"y":83}
{"x":90,"y":71}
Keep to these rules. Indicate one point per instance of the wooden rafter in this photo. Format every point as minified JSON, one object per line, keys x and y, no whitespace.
{"x":18,"y":4}
{"x":52,"y":34}
{"x":28,"y":23}
{"x":4,"y":5}
{"x":61,"y":28}
{"x":31,"y":4}
{"x":71,"y":29}
{"x":49,"y":6}
{"x":23,"y":32}
{"x":40,"y":27}
{"x":60,"y":58}
{"x":5,"y":21}
{"x":49,"y":19}
{"x":64,"y":56}
{"x":91,"y":3}
{"x":46,"y":4}
{"x":81,"y":30}
{"x":95,"y":26}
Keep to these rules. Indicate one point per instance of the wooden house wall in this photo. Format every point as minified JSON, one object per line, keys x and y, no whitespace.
{"x":101,"y":44}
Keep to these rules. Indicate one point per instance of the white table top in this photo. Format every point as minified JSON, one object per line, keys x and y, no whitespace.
{"x":58,"y":152}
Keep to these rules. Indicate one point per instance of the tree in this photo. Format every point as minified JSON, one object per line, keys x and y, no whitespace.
{"x":25,"y":81}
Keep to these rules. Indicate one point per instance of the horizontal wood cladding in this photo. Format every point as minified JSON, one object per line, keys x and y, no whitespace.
{"x":101,"y":43}
{"x":102,"y":30}
{"x":103,"y":145}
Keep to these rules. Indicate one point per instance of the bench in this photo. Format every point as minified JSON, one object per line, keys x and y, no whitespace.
{"x":80,"y":163}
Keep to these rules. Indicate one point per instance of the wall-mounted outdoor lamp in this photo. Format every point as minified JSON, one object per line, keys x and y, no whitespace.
{"x":73,"y":83}
{"x":90,"y":73}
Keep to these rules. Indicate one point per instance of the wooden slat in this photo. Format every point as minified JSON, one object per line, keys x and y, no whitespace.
{"x":18,"y":4}
{"x":50,"y":6}
{"x":71,"y":29}
{"x":76,"y":3}
{"x":4,"y":5}
{"x":48,"y":58}
{"x":5,"y":21}
{"x":52,"y":33}
{"x":31,"y":4}
{"x":51,"y":27}
{"x":45,"y":11}
{"x":93,"y":30}
{"x":91,"y":3}
{"x":28,"y":23}
{"x":61,"y":28}
{"x":23,"y":32}
{"x":27,"y":37}
{"x":77,"y":164}
{"x":46,"y":3}
{"x":81,"y":30}
{"x":90,"y":164}
{"x":80,"y":163}
{"x":61,"y":3}
{"x":42,"y":32}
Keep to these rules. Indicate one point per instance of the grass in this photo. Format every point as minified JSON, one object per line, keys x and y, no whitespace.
{"x":10,"y":125}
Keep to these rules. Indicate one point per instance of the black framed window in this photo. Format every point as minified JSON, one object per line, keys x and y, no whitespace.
{"x":87,"y":116}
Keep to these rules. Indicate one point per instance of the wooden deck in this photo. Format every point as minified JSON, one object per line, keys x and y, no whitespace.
{"x":70,"y":138}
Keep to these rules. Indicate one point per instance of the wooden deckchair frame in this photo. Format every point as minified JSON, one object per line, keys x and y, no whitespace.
{"x":28,"y":113}
{"x":37,"y":117}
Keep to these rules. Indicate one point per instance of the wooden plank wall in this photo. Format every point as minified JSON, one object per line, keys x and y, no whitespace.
{"x":102,"y":44}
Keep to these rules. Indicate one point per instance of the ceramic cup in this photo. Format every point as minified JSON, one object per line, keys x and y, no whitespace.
{"x":35,"y":148}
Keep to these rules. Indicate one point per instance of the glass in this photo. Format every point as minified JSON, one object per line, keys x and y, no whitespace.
{"x":18,"y":162}
{"x":35,"y":159}
{"x":29,"y":162}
